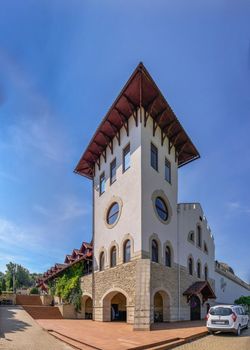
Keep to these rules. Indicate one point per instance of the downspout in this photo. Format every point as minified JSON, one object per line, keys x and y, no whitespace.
{"x":93,"y":245}
{"x":179,"y":268}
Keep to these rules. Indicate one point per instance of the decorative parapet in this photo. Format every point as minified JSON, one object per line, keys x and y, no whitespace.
{"x":181,"y":207}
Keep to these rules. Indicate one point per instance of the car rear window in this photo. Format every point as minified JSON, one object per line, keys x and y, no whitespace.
{"x":220,"y":311}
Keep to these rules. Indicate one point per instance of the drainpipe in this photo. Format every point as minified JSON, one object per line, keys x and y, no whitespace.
{"x":178,"y":261}
{"x":93,"y":245}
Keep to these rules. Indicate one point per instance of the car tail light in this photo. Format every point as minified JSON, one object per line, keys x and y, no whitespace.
{"x":234,"y":316}
{"x":207,"y":317}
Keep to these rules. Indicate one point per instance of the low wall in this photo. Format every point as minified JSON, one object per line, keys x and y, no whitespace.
{"x":46,"y":299}
{"x":67,"y":311}
{"x":7,"y":297}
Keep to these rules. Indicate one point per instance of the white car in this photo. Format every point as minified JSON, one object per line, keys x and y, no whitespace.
{"x":227,"y":318}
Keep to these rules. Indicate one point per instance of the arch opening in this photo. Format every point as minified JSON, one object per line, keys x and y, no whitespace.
{"x":87,"y":307}
{"x":115,"y":307}
{"x":161,"y":308}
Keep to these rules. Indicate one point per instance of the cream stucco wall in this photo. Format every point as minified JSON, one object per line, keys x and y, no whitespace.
{"x":227,"y":290}
{"x":127,"y":188}
{"x":154,"y":182}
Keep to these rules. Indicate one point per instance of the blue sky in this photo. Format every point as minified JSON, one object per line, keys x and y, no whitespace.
{"x":62,"y":63}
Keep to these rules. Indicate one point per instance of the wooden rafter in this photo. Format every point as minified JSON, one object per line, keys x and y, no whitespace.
{"x":132,"y":109}
{"x":124,"y":120}
{"x":116,"y":130}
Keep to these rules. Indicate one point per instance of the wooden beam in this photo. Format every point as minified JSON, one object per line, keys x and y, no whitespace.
{"x":154,"y":127}
{"x":124,"y":120}
{"x":133,"y":111}
{"x":163,"y":136}
{"x":116,"y":130}
{"x":167,"y":128}
{"x":159,"y":115}
{"x":107,"y":137}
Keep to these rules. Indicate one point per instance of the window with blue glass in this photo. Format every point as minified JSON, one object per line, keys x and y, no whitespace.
{"x":126,"y":158}
{"x":167,"y":171}
{"x":113,"y":171}
{"x":161,"y":208}
{"x":102,"y":183}
{"x":113,"y":213}
{"x":154,"y":157}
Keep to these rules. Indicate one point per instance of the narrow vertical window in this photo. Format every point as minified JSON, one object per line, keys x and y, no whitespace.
{"x":126,"y":158}
{"x":199,"y":236}
{"x":155,"y":251}
{"x":127,"y":251}
{"x":190,"y":266}
{"x":199,"y":270}
{"x":167,"y":171}
{"x":113,"y":257}
{"x":102,"y":183}
{"x":113,"y":171}
{"x":154,"y":157}
{"x":206,"y":273}
{"x":168,"y":256}
{"x":101,"y":263}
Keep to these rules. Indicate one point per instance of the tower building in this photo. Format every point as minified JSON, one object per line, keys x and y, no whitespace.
{"x":153,"y":259}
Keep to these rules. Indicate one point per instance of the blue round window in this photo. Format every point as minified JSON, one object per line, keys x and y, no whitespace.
{"x":113,"y":213}
{"x":161,"y":208}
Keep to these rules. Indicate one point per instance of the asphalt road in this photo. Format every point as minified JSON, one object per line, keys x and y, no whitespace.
{"x":220,"y":341}
{"x":18,"y":331}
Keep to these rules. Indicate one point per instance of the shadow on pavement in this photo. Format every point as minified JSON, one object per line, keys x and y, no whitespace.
{"x":8,"y":322}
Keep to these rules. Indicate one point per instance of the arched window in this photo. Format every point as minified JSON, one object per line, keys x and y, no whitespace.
{"x":198,"y":269}
{"x":206,"y":272}
{"x":190,"y":266}
{"x":113,"y":257}
{"x":199,"y":240}
{"x":127,"y":251}
{"x":191,"y":236}
{"x":168,"y":256}
{"x":101,"y":261}
{"x":155,"y":257}
{"x":205,"y":248}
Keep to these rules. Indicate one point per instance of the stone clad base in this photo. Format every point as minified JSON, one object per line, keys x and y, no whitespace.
{"x":148,"y":292}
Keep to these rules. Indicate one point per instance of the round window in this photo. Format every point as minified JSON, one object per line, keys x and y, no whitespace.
{"x":113,"y":213}
{"x":161,"y":208}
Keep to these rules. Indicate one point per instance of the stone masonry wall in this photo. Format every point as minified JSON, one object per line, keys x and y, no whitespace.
{"x":110,"y":281}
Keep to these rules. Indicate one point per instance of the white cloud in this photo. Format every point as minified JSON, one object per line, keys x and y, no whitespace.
{"x":237,"y":207}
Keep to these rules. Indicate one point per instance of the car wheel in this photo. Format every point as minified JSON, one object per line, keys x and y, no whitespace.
{"x":238,"y":331}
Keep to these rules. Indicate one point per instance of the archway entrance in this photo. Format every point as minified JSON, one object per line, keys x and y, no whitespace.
{"x":115,"y":307}
{"x":118,"y":308}
{"x":87,"y":307}
{"x":161,"y":307}
{"x":195,"y":308}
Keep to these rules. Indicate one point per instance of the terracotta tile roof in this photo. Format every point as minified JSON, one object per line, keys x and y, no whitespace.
{"x":139,"y":91}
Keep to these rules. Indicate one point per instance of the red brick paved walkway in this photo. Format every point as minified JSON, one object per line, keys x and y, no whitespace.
{"x":120,"y":336}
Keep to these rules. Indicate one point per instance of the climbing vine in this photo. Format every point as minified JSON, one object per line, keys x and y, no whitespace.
{"x":68,"y":286}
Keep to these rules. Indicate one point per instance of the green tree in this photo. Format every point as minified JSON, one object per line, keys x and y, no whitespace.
{"x":243,"y":301}
{"x":22,"y":276}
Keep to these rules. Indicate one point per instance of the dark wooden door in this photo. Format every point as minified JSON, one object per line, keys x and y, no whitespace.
{"x":195,"y":308}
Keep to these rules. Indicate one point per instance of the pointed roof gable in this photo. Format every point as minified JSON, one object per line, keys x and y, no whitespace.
{"x":139,"y":91}
{"x":200,"y":287}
